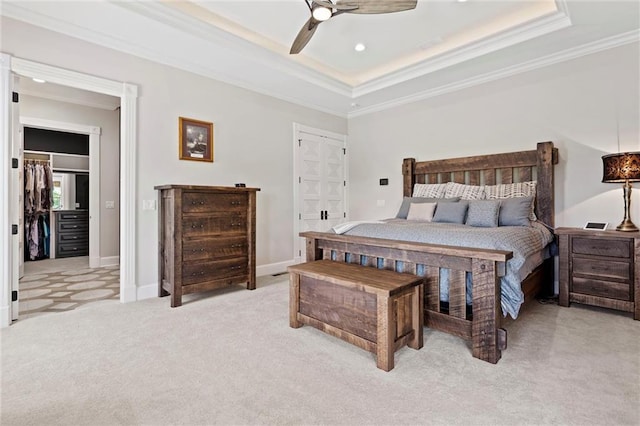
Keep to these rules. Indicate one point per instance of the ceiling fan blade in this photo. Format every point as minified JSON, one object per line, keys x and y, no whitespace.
{"x":304,"y":36}
{"x":329,"y":5}
{"x":378,"y":6}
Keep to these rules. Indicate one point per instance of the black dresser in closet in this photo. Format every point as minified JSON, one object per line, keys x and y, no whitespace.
{"x":72,"y":233}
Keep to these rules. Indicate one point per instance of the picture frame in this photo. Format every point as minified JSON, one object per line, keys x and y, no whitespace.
{"x":195,"y":140}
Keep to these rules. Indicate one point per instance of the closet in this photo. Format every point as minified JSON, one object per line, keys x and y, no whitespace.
{"x":56,"y":194}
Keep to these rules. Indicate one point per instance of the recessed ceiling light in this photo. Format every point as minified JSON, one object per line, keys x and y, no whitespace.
{"x":38,"y":80}
{"x":360,"y":47}
{"x":461,"y":1}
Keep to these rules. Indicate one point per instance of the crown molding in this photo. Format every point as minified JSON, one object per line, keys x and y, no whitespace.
{"x":565,"y":55}
{"x":536,"y":28}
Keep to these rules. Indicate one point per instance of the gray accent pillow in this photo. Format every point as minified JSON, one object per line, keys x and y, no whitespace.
{"x":483,"y":213}
{"x":515,"y":211}
{"x":406,"y":203}
{"x":451,"y":212}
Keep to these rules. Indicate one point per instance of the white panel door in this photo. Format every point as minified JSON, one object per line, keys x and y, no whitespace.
{"x":321,"y":183}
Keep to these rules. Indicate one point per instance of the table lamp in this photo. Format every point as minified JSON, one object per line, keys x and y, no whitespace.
{"x":623,"y":168}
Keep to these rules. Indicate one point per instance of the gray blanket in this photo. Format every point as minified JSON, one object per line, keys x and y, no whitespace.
{"x":522,"y":241}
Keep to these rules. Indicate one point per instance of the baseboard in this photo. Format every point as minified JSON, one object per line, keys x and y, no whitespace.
{"x":274,"y":268}
{"x":128,"y":294}
{"x":147,"y":291}
{"x":5,"y":316}
{"x":151,"y":290}
{"x":109,"y":261}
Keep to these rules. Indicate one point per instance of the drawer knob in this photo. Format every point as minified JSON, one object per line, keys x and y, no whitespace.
{"x":195,"y":225}
{"x":235,"y":267}
{"x":236,"y":224}
{"x":195,"y":274}
{"x":236,"y":245}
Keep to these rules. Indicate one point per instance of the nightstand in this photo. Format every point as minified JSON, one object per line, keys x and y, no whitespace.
{"x":600,"y":268}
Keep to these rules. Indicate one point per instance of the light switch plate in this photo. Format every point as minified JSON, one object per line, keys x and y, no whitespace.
{"x":148,"y":204}
{"x":110,"y":204}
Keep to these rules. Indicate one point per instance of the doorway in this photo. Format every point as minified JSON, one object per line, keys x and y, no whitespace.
{"x":9,"y":192}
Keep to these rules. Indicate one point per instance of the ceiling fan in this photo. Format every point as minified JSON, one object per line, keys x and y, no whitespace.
{"x":322,"y":10}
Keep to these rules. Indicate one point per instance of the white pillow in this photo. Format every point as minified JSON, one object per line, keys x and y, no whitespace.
{"x":513,"y":190}
{"x":421,"y":211}
{"x":466,"y":192}
{"x":431,"y":190}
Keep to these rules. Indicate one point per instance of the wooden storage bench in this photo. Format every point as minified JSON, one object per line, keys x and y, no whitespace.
{"x":377,"y":310}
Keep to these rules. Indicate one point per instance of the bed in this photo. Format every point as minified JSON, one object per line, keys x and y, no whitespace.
{"x":481,"y":320}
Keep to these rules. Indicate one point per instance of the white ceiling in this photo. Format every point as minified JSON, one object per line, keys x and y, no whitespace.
{"x":440,"y":46}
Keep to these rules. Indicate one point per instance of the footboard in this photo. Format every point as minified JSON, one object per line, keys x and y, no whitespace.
{"x":481,"y":325}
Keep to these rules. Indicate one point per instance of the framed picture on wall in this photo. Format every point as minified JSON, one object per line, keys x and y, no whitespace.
{"x":196,"y":140}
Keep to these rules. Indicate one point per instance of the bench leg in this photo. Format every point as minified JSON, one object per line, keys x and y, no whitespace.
{"x":294,"y":300}
{"x":417,"y":317}
{"x":385,"y":343}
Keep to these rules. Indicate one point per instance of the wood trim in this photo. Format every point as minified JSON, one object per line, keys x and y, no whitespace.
{"x":340,"y":334}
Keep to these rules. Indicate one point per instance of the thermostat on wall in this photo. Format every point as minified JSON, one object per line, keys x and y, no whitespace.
{"x":596,"y":226}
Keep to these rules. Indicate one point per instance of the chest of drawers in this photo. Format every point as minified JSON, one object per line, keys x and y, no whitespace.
{"x":206,"y":239}
{"x":600,"y":268}
{"x":72,"y":233}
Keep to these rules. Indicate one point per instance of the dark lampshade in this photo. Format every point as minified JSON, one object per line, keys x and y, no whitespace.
{"x":618,"y":168}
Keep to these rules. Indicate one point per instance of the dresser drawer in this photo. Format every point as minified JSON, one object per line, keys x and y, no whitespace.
{"x":601,"y":247}
{"x":198,"y":202}
{"x":72,"y":249}
{"x":70,"y":226}
{"x":72,"y":237}
{"x":65,"y":216}
{"x":206,"y":225}
{"x":211,"y":249}
{"x":193,"y":273}
{"x":602,"y":268}
{"x":610,"y":290}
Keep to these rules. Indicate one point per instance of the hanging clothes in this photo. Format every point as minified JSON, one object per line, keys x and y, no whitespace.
{"x":38,"y":198}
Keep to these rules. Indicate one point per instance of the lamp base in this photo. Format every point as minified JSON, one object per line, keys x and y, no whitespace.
{"x":627,"y":226}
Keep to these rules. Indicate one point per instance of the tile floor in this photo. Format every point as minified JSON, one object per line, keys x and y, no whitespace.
{"x":58,"y":285}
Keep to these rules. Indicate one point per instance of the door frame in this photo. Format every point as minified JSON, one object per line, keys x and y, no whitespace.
{"x":297,"y":128}
{"x":128,"y":94}
{"x":94,"y":175}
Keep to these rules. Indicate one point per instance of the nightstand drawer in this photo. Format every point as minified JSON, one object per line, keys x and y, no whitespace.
{"x":602,"y":268}
{"x":601,"y":247}
{"x":600,"y":288}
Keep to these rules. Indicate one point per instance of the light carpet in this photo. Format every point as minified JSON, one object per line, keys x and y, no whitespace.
{"x":230,"y":357}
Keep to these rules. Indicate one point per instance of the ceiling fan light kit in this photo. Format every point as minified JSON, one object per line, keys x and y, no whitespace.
{"x":322,"y":10}
{"x":321,"y":13}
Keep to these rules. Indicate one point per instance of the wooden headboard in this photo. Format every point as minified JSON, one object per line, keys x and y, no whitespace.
{"x":493,"y":169}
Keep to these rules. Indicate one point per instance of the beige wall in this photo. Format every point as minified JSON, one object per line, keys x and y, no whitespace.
{"x":576,"y":104}
{"x":108,"y":121}
{"x":253,"y":135}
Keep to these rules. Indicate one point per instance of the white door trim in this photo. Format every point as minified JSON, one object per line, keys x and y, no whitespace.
{"x":297,"y":128}
{"x":94,"y":175}
{"x":128,"y":94}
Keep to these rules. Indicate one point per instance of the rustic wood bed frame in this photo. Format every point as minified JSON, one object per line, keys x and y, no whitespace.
{"x":482,"y":323}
